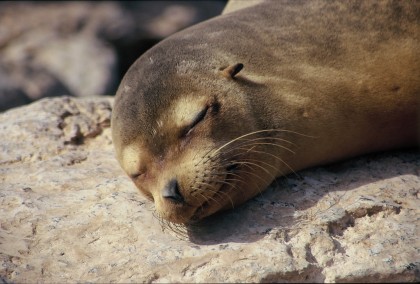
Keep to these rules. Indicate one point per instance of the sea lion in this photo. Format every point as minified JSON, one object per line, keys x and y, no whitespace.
{"x":210,"y":116}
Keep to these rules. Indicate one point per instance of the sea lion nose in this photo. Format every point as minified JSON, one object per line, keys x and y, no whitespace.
{"x":171,"y":192}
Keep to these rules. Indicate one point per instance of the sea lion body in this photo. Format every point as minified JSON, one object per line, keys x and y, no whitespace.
{"x":322,"y":81}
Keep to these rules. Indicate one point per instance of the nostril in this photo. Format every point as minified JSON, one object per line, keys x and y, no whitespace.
{"x":171,"y":191}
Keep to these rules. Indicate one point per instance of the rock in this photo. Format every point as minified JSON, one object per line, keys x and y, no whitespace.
{"x":62,"y":40}
{"x":11,"y":94}
{"x":85,"y":64}
{"x":82,"y":48}
{"x":69,"y":214}
{"x":22,"y":84}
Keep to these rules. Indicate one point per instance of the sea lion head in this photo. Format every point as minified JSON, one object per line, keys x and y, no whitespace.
{"x":185,"y":132}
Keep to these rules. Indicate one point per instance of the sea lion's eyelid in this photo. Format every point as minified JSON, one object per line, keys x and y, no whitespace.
{"x":197,"y":119}
{"x":137,"y":175}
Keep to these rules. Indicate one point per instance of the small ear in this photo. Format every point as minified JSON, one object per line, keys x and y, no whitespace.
{"x":232,"y":70}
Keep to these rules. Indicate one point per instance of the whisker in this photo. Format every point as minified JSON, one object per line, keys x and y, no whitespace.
{"x":207,"y":198}
{"x":240,"y":171}
{"x":251,"y":142}
{"x":240,"y":161}
{"x":178,"y":229}
{"x":262,"y":152}
{"x":279,"y":159}
{"x":260,"y":143}
{"x":249,"y":164}
{"x":202,"y":195}
{"x":250,"y":134}
{"x":258,"y":185}
{"x":254,"y":164}
{"x":219,"y":192}
{"x":258,"y":132}
{"x":245,"y":172}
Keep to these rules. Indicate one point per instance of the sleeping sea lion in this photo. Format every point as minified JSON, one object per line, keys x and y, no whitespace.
{"x":210,"y":116}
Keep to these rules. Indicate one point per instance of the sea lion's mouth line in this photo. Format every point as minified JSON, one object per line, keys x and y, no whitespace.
{"x":227,"y":185}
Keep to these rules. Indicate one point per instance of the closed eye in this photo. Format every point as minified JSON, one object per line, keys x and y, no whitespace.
{"x":197,"y":119}
{"x":138,"y":174}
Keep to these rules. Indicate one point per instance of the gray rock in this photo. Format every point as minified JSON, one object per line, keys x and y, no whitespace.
{"x":22,"y":84}
{"x":11,"y":94}
{"x":86,"y":65}
{"x":69,"y":214}
{"x":82,"y":48}
{"x":61,"y":42}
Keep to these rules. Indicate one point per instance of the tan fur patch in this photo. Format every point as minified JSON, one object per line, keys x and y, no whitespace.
{"x":185,"y":109}
{"x":131,"y":159}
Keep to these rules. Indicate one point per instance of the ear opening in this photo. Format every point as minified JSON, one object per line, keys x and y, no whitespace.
{"x":232,"y":70}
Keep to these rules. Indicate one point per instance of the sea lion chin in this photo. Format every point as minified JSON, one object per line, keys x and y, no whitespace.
{"x":209,"y":117}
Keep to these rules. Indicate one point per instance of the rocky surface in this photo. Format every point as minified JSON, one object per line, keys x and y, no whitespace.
{"x":69,"y":214}
{"x":82,"y":48}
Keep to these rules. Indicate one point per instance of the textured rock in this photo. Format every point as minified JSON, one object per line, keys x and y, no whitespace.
{"x":69,"y":214}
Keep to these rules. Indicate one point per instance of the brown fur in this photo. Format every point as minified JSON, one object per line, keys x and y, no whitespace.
{"x":341,"y":77}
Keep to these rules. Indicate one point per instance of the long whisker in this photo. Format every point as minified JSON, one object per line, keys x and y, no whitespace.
{"x":239,"y":161}
{"x":234,"y":174}
{"x":254,"y":164}
{"x":245,"y":162}
{"x":215,"y":192}
{"x":208,"y":198}
{"x":206,"y":155}
{"x":276,"y":157}
{"x":255,"y":175}
{"x":258,"y":161}
{"x":178,"y":229}
{"x":261,"y":152}
{"x":208,"y":187}
{"x":240,"y":171}
{"x":202,"y":195}
{"x":257,"y":132}
{"x":252,"y":142}
{"x":251,"y":172}
{"x":239,"y":179}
